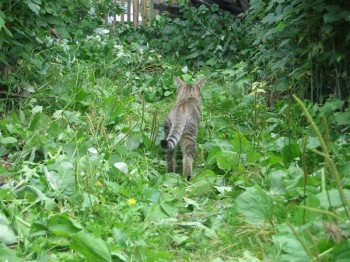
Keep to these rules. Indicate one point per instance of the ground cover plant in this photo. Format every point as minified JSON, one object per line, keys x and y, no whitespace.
{"x":82,"y":176}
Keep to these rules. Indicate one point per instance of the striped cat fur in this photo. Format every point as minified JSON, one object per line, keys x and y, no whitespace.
{"x":181,"y":126}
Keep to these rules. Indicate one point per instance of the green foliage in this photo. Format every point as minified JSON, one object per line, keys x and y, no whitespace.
{"x":82,"y":177}
{"x":303,"y":45}
{"x":204,"y":37}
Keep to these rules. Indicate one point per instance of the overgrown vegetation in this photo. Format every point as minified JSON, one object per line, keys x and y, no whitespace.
{"x":83,"y":179}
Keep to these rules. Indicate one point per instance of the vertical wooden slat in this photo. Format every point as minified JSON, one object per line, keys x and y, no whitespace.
{"x":156,"y":11}
{"x":136,"y":13}
{"x":129,"y":11}
{"x":122,"y":4}
{"x":151,"y":10}
{"x":144,"y":11}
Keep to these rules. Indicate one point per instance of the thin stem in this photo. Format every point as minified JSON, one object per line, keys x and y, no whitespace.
{"x":325,"y":154}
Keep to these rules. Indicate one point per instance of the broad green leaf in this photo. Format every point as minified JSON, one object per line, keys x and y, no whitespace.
{"x":331,"y":198}
{"x":227,"y":159}
{"x":152,"y":195}
{"x":312,"y":143}
{"x":172,"y":180}
{"x":169,"y":209}
{"x":2,"y":19}
{"x":62,"y":225}
{"x":290,"y":152}
{"x":255,"y":205}
{"x":281,"y":84}
{"x":31,"y":193}
{"x":275,"y":179}
{"x":8,"y":140}
{"x":341,"y":251}
{"x":7,"y":235}
{"x":291,"y":245}
{"x":7,"y":254}
{"x":270,"y":18}
{"x":331,"y":18}
{"x":37,"y":109}
{"x":91,"y":247}
{"x":54,"y":20}
{"x":33,"y":6}
{"x":179,"y":239}
{"x":211,"y":62}
{"x":134,"y":141}
{"x":303,"y":214}
{"x":52,"y":178}
{"x":155,"y":212}
{"x":278,"y":144}
{"x":89,"y":200}
{"x":294,"y":178}
{"x":240,"y":143}
{"x":223,"y":189}
{"x":186,"y":77}
{"x":112,"y":109}
{"x":191,"y":202}
{"x":252,"y":156}
{"x":119,"y":236}
{"x":122,"y":167}
{"x":342,"y":118}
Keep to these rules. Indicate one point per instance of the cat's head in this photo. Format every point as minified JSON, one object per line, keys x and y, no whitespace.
{"x":185,"y":90}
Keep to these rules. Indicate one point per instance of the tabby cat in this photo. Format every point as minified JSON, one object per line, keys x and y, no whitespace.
{"x":181,"y":126}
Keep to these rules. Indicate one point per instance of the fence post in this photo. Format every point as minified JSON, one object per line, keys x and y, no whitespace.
{"x":129,"y":11}
{"x":144,"y":11}
{"x":122,"y":4}
{"x":136,"y":13}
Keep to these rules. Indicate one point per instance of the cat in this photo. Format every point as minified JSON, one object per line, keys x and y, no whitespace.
{"x":181,"y":126}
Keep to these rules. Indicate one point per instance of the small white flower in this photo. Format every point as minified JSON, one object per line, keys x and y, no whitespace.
{"x":122,"y":167}
{"x":92,"y":150}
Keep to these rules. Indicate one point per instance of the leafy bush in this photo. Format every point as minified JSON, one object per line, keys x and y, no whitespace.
{"x":81,"y":173}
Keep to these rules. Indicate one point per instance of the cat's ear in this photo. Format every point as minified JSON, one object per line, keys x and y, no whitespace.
{"x":178,"y":81}
{"x":200,"y":83}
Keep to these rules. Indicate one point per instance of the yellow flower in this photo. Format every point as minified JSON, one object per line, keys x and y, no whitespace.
{"x":98,"y":183}
{"x":131,"y":201}
{"x":102,"y":199}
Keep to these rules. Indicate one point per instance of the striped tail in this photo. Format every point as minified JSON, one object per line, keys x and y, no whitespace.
{"x":173,"y":138}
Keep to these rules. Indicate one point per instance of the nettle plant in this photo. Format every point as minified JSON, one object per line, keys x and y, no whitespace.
{"x":204,"y":37}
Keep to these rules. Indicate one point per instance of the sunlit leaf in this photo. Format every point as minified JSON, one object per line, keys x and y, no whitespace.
{"x":342,"y":118}
{"x":62,"y":225}
{"x":255,"y":205}
{"x":122,"y":167}
{"x":227,"y":159}
{"x":331,"y":198}
{"x":7,"y":254}
{"x":7,"y":235}
{"x":37,"y":109}
{"x":91,"y":247}
{"x":8,"y":140}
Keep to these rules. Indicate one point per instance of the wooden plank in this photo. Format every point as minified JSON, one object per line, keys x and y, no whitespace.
{"x":122,"y":4}
{"x":135,"y":13}
{"x":156,"y":11}
{"x":129,"y":11}
{"x":151,"y":10}
{"x":144,"y":11}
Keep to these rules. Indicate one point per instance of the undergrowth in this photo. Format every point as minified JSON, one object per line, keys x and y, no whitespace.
{"x":83,"y":178}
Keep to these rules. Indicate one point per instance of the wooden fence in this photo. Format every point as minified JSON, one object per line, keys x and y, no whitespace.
{"x":136,"y":11}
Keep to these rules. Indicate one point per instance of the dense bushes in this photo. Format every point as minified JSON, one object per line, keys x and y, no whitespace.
{"x":296,"y":46}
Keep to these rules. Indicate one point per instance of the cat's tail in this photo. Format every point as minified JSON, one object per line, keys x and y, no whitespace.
{"x":173,"y":138}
